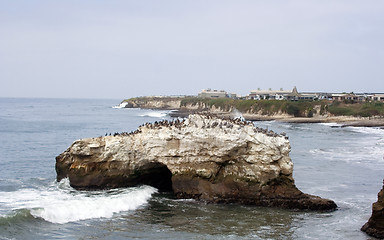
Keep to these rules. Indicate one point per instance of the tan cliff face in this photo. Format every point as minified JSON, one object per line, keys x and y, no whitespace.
{"x":203,"y":107}
{"x":375,"y":224}
{"x":173,"y":104}
{"x":154,"y":103}
{"x":202,"y":157}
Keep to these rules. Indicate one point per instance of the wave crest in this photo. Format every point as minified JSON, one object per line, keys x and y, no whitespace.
{"x":63,"y":204}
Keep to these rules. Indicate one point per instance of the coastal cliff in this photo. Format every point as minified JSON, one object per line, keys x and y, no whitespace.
{"x":375,"y":224}
{"x":153,"y":103}
{"x":202,"y":157}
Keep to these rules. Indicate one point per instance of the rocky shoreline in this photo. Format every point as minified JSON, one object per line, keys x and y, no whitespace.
{"x":319,"y":113}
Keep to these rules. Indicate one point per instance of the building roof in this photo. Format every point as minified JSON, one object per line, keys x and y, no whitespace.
{"x":294,"y":93}
{"x":269,"y":92}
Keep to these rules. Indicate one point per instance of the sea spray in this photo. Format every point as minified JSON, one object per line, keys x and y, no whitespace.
{"x":121,"y":105}
{"x":237,"y":114}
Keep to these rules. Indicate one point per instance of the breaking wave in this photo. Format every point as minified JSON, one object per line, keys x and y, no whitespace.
{"x":16,"y":216}
{"x":62,"y":204}
{"x":121,"y":105}
{"x":331,"y":124}
{"x":154,"y":114}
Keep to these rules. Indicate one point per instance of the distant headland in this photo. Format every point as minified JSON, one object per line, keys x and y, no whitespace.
{"x":349,"y":109}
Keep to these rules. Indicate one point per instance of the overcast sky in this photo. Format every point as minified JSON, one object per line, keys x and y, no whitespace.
{"x":121,"y":49}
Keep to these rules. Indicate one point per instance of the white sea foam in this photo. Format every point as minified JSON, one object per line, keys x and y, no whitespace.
{"x":367,"y":130}
{"x":331,"y":124}
{"x":61,"y":204}
{"x":370,"y":156}
{"x":121,"y":105}
{"x":154,"y":114}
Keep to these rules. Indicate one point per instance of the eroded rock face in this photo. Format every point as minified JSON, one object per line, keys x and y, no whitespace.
{"x":202,"y":157}
{"x":375,"y":224}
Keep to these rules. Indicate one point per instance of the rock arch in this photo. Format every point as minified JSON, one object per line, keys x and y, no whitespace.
{"x":202,"y":157}
{"x":155,"y":174}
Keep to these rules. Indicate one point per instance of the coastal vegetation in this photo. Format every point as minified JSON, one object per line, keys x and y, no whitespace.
{"x":273,"y":107}
{"x":295,"y":108}
{"x":265,"y":107}
{"x":367,"y":109}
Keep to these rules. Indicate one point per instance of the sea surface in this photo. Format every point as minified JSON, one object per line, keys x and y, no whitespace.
{"x":342,"y":164}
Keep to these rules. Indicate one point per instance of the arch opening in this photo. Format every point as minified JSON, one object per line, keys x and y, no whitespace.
{"x":156,"y":175}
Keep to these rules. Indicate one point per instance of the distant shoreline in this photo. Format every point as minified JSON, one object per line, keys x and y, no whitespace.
{"x":344,"y":121}
{"x":269,"y":110}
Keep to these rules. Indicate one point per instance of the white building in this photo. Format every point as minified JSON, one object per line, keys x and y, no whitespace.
{"x":378,"y":97}
{"x":269,"y":94}
{"x":208,"y":93}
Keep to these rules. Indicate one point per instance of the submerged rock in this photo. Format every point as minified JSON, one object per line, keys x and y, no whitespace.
{"x":202,"y":157}
{"x":375,"y":224}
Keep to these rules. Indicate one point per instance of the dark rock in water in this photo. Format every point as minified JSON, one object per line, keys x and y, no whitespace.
{"x":375,"y":225}
{"x":203,"y":157}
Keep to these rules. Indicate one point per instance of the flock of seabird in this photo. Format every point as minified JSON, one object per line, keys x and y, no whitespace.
{"x":227,"y":123}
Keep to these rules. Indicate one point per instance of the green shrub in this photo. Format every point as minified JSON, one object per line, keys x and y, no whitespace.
{"x":244,"y":105}
{"x":340,"y":111}
{"x":357,"y":109}
{"x":223,"y":103}
{"x":293,"y":109}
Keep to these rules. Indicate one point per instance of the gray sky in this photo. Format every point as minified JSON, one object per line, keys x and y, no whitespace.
{"x":121,"y":49}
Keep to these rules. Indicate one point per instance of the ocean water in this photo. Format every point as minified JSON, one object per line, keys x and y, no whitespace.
{"x":342,"y":164}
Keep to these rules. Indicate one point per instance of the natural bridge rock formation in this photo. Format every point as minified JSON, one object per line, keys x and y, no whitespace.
{"x":202,"y":157}
{"x":375,"y":224}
